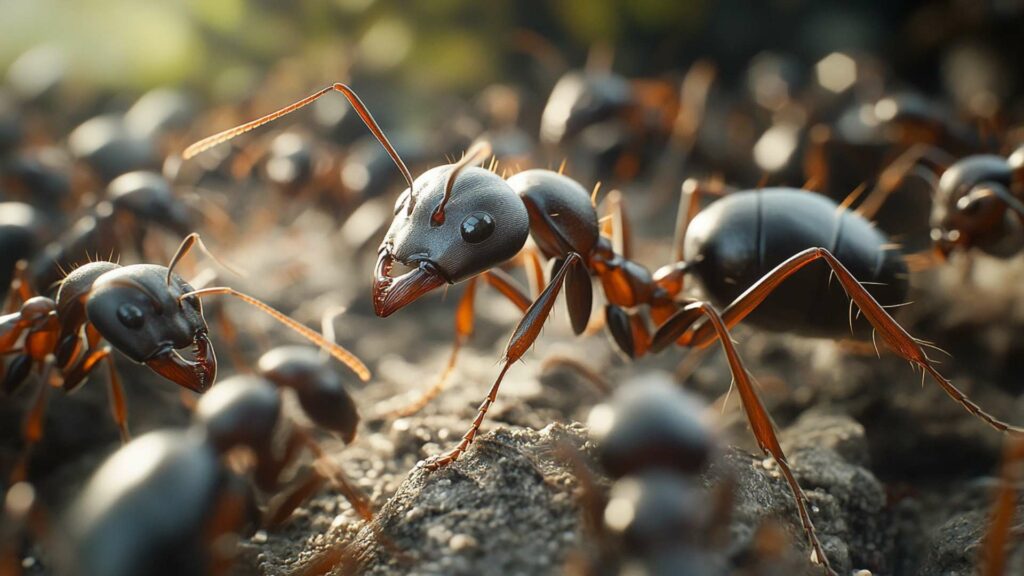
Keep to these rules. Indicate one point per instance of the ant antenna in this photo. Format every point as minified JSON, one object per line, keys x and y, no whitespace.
{"x":476,"y":153}
{"x":350,"y":95}
{"x":327,"y":325}
{"x":341,"y":354}
{"x":186,"y":245}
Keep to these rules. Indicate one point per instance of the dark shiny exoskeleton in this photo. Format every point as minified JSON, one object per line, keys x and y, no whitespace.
{"x":653,"y":440}
{"x":145,"y":311}
{"x":459,"y":223}
{"x":740,"y":238}
{"x":134,"y":204}
{"x":110,"y":147}
{"x":151,"y":508}
{"x":140,"y":310}
{"x":159,"y":504}
{"x":979,"y":203}
{"x":23,"y":231}
{"x":131,"y":307}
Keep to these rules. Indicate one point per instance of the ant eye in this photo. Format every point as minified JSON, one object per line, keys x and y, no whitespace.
{"x":130,"y":315}
{"x":477,"y":227}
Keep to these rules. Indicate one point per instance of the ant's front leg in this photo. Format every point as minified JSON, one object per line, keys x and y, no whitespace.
{"x":523,"y":337}
{"x":74,"y":376}
{"x":464,"y":315}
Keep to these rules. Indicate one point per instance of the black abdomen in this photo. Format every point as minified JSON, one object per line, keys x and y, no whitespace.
{"x":740,"y":238}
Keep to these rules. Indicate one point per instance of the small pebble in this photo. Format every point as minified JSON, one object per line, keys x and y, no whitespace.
{"x":462,"y":542}
{"x":259,"y":537}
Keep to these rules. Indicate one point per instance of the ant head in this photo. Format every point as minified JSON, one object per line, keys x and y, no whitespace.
{"x":971,"y":207}
{"x":581,"y":99}
{"x":319,"y":387}
{"x":454,"y":226}
{"x":141,"y":314}
{"x":148,"y":196}
{"x":240,"y":411}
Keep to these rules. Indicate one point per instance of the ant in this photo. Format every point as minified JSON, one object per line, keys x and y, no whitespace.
{"x":977,"y":201}
{"x":177,"y":492}
{"x":145,"y":311}
{"x":653,"y":439}
{"x":458,"y":222}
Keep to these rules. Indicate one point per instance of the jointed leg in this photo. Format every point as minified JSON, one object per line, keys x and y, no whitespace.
{"x":760,"y":421}
{"x":464,"y":314}
{"x":902,"y":343}
{"x":20,"y":288}
{"x":32,"y":426}
{"x":326,"y":468}
{"x":993,"y":550}
{"x":924,"y":159}
{"x":523,"y":337}
{"x":118,"y":405}
{"x":284,"y":504}
{"x":463,"y":330}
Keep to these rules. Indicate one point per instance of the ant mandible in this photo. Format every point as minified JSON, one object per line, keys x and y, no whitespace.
{"x":145,"y":311}
{"x":458,"y":223}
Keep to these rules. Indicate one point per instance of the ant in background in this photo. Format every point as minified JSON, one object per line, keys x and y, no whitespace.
{"x":145,"y":311}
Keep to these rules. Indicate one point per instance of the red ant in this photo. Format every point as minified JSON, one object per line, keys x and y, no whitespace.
{"x":458,"y":222}
{"x":145,"y":311}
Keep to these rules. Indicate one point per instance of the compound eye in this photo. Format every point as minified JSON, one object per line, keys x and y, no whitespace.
{"x":477,"y":227}
{"x":131,"y":316}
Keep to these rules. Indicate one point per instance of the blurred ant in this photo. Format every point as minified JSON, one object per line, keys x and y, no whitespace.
{"x":653,"y":440}
{"x":178,"y":493}
{"x":977,"y":201}
{"x":458,"y":222}
{"x":145,"y":311}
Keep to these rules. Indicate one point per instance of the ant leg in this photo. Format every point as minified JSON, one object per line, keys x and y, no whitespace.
{"x":522,"y":338}
{"x":77,"y":373}
{"x":760,"y":421}
{"x":993,"y":550}
{"x":593,"y":377}
{"x":628,"y":329}
{"x":118,"y":406}
{"x":931,"y":160}
{"x":332,"y":472}
{"x":901,"y":342}
{"x":282,"y":506}
{"x":508,"y":287}
{"x":20,"y":288}
{"x":618,"y":224}
{"x":463,"y":330}
{"x":464,"y":314}
{"x":229,"y":515}
{"x":534,"y":269}
{"x":32,"y":426}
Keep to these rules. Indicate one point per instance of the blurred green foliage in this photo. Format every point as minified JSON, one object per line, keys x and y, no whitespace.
{"x":226,"y":45}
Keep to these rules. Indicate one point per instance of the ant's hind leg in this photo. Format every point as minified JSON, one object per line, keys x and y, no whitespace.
{"x":682,"y":324}
{"x":894,"y":336}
